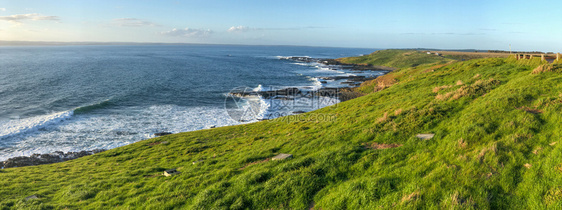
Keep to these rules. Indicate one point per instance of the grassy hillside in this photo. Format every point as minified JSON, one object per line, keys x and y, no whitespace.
{"x":395,"y":58}
{"x":497,"y":127}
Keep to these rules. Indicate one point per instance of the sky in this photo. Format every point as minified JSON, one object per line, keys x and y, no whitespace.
{"x":475,"y":24}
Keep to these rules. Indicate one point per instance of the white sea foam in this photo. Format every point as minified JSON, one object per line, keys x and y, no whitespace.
{"x":18,"y":126}
{"x":258,"y":88}
{"x":304,"y":64}
{"x":61,"y":132}
{"x":316,"y":84}
{"x":289,"y":57}
{"x":264,"y":108}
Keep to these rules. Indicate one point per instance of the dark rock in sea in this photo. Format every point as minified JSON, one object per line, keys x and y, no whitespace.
{"x":40,"y":159}
{"x":294,"y":93}
{"x":330,"y":62}
{"x":286,"y":91}
{"x":334,"y":62}
{"x":162,"y":134}
{"x":298,"y":112}
{"x":350,"y":83}
{"x":284,"y":98}
{"x":327,"y":92}
{"x":345,"y":77}
{"x":301,"y":59}
{"x":124,"y":133}
{"x":268,"y":94}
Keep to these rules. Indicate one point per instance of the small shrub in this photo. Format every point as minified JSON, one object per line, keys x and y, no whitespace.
{"x":479,"y":87}
{"x":547,"y":68}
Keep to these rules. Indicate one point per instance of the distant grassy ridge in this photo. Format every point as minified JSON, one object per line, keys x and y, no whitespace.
{"x":497,"y":144}
{"x":457,"y":55}
{"x":395,"y":58}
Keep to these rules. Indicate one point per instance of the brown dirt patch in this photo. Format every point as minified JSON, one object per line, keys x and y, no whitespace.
{"x":529,"y":110}
{"x":154,"y":143}
{"x":443,"y":96}
{"x":375,"y":145}
{"x":438,"y":88}
{"x":383,"y":118}
{"x":254,"y":163}
{"x":415,"y":195}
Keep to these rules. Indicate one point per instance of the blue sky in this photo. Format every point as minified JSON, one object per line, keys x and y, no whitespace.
{"x":526,"y":25}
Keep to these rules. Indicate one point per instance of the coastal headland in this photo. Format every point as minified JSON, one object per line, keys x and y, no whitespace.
{"x":438,"y":131}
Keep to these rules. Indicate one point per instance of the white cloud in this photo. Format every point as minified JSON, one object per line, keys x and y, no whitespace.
{"x":3,"y":9}
{"x":189,"y":32}
{"x":448,"y":33}
{"x":33,"y":16}
{"x":133,"y":22}
{"x":239,"y":29}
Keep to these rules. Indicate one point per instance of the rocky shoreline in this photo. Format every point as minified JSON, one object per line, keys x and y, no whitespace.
{"x":41,"y":159}
{"x":335,"y":62}
{"x":335,"y":65}
{"x":343,"y":93}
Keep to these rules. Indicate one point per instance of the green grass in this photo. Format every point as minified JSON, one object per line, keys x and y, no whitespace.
{"x":494,"y":148}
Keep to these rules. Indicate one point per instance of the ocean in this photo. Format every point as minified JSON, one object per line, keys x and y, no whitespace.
{"x":74,"y":98}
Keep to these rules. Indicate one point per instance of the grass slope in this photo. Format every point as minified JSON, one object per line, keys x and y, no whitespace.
{"x":497,"y":145}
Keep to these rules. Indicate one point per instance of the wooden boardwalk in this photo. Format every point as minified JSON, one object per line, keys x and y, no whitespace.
{"x":545,"y":57}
